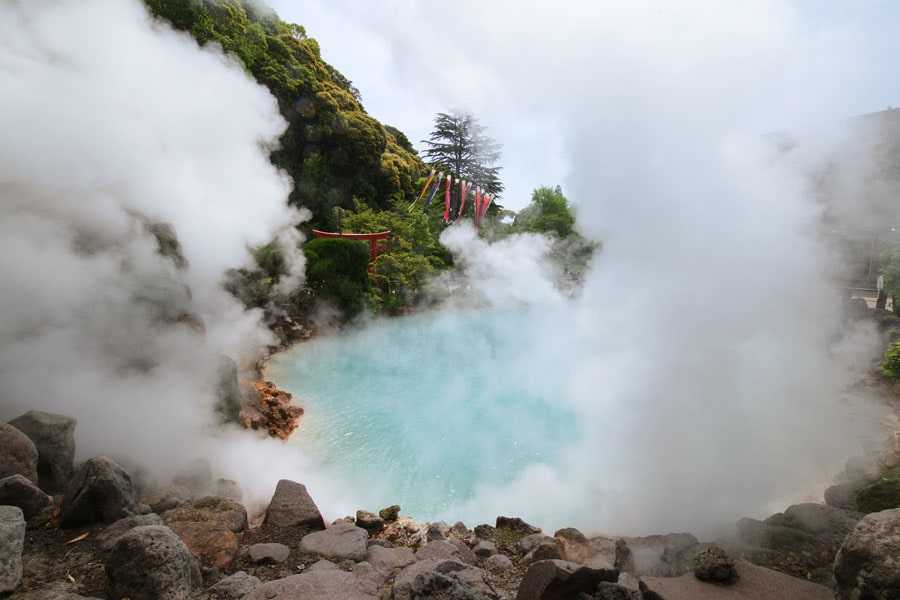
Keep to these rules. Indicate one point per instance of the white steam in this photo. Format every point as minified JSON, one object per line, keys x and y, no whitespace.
{"x":702,"y":357}
{"x":113,"y":123}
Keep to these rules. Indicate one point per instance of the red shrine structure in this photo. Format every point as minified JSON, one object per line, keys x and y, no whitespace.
{"x":372,"y":238}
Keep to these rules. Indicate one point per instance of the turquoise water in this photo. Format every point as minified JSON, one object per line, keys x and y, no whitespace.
{"x":420,"y":411}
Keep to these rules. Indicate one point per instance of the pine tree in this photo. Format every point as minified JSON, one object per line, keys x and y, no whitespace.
{"x":459,"y":146}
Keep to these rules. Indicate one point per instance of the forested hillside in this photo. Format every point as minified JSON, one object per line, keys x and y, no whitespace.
{"x":332,"y":149}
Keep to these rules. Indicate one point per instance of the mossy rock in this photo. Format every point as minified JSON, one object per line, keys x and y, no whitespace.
{"x":878,"y":496}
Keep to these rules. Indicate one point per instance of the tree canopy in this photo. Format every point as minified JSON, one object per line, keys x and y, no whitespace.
{"x":458,"y":146}
{"x":548,"y":212}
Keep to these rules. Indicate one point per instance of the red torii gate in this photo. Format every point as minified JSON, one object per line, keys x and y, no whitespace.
{"x":372,"y":238}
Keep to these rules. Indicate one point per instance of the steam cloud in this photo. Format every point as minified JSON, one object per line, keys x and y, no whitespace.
{"x":705,"y":357}
{"x":701,"y":359}
{"x":111,"y":124}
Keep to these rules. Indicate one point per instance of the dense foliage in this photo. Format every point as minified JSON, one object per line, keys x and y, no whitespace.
{"x":355,"y":174}
{"x":336,"y":269}
{"x":413,"y":251}
{"x":332,"y":149}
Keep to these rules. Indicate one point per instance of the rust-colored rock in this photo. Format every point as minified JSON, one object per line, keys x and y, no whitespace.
{"x":214,"y":543}
{"x":270,"y":408}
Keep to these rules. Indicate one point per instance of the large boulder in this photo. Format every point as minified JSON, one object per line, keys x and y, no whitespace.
{"x":321,"y":584}
{"x":17,"y":490}
{"x":12,"y":541}
{"x":99,"y":492}
{"x":107,"y":538}
{"x":388,"y":559}
{"x":561,"y":580}
{"x":268,"y":554}
{"x":292,"y":505}
{"x":439,"y":578}
{"x":214,"y":543}
{"x":660,"y":555}
{"x":54,"y":437}
{"x":151,"y":563}
{"x":234,"y":586}
{"x":343,"y":540}
{"x":866,"y":565}
{"x":18,"y":454}
{"x":210,"y":509}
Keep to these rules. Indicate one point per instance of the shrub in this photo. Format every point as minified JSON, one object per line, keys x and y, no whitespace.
{"x":891,"y":364}
{"x":336,"y":269}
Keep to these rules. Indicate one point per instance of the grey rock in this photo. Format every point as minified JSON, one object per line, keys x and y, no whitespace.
{"x":364,"y":571}
{"x":322,"y":565}
{"x":817,"y":519}
{"x":560,"y":580}
{"x":388,"y":559}
{"x":234,"y":586}
{"x":390,"y":514}
{"x":338,"y":541}
{"x":498,"y":563}
{"x":18,"y":490}
{"x":292,"y":505}
{"x":321,"y":585}
{"x":438,"y":549}
{"x":659,"y":555}
{"x":453,"y":579}
{"x":210,"y":509}
{"x":484,"y":548}
{"x":485,"y":531}
{"x":765,"y":535}
{"x":12,"y":542}
{"x":459,"y":528}
{"x":268,"y":554}
{"x":196,"y":476}
{"x":516,"y":524}
{"x":548,"y":549}
{"x":379,"y":542}
{"x":107,"y":538}
{"x":614,"y":591}
{"x":866,"y":564}
{"x":18,"y":454}
{"x":99,"y":492}
{"x":715,"y":566}
{"x":436,"y":532}
{"x":530,"y":542}
{"x":151,"y":563}
{"x":570,"y":533}
{"x":369,"y":521}
{"x":842,"y":496}
{"x":465,"y":553}
{"x":54,"y":437}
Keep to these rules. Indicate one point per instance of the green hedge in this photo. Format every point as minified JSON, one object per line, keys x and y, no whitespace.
{"x":336,"y":269}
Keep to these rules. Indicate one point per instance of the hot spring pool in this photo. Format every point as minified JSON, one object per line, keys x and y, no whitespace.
{"x":421,"y":411}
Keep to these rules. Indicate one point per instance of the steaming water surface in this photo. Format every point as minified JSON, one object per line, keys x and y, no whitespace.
{"x":421,"y":411}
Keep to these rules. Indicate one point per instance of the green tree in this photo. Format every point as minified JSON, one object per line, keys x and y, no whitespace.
{"x":548,"y":212}
{"x":458,"y":145}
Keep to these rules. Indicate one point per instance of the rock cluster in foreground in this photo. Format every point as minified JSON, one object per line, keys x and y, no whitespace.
{"x":111,"y":533}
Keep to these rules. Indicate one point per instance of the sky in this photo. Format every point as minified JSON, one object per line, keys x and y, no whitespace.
{"x":513,"y":65}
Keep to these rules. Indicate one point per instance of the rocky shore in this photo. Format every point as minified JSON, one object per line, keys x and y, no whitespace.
{"x":106,"y":530}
